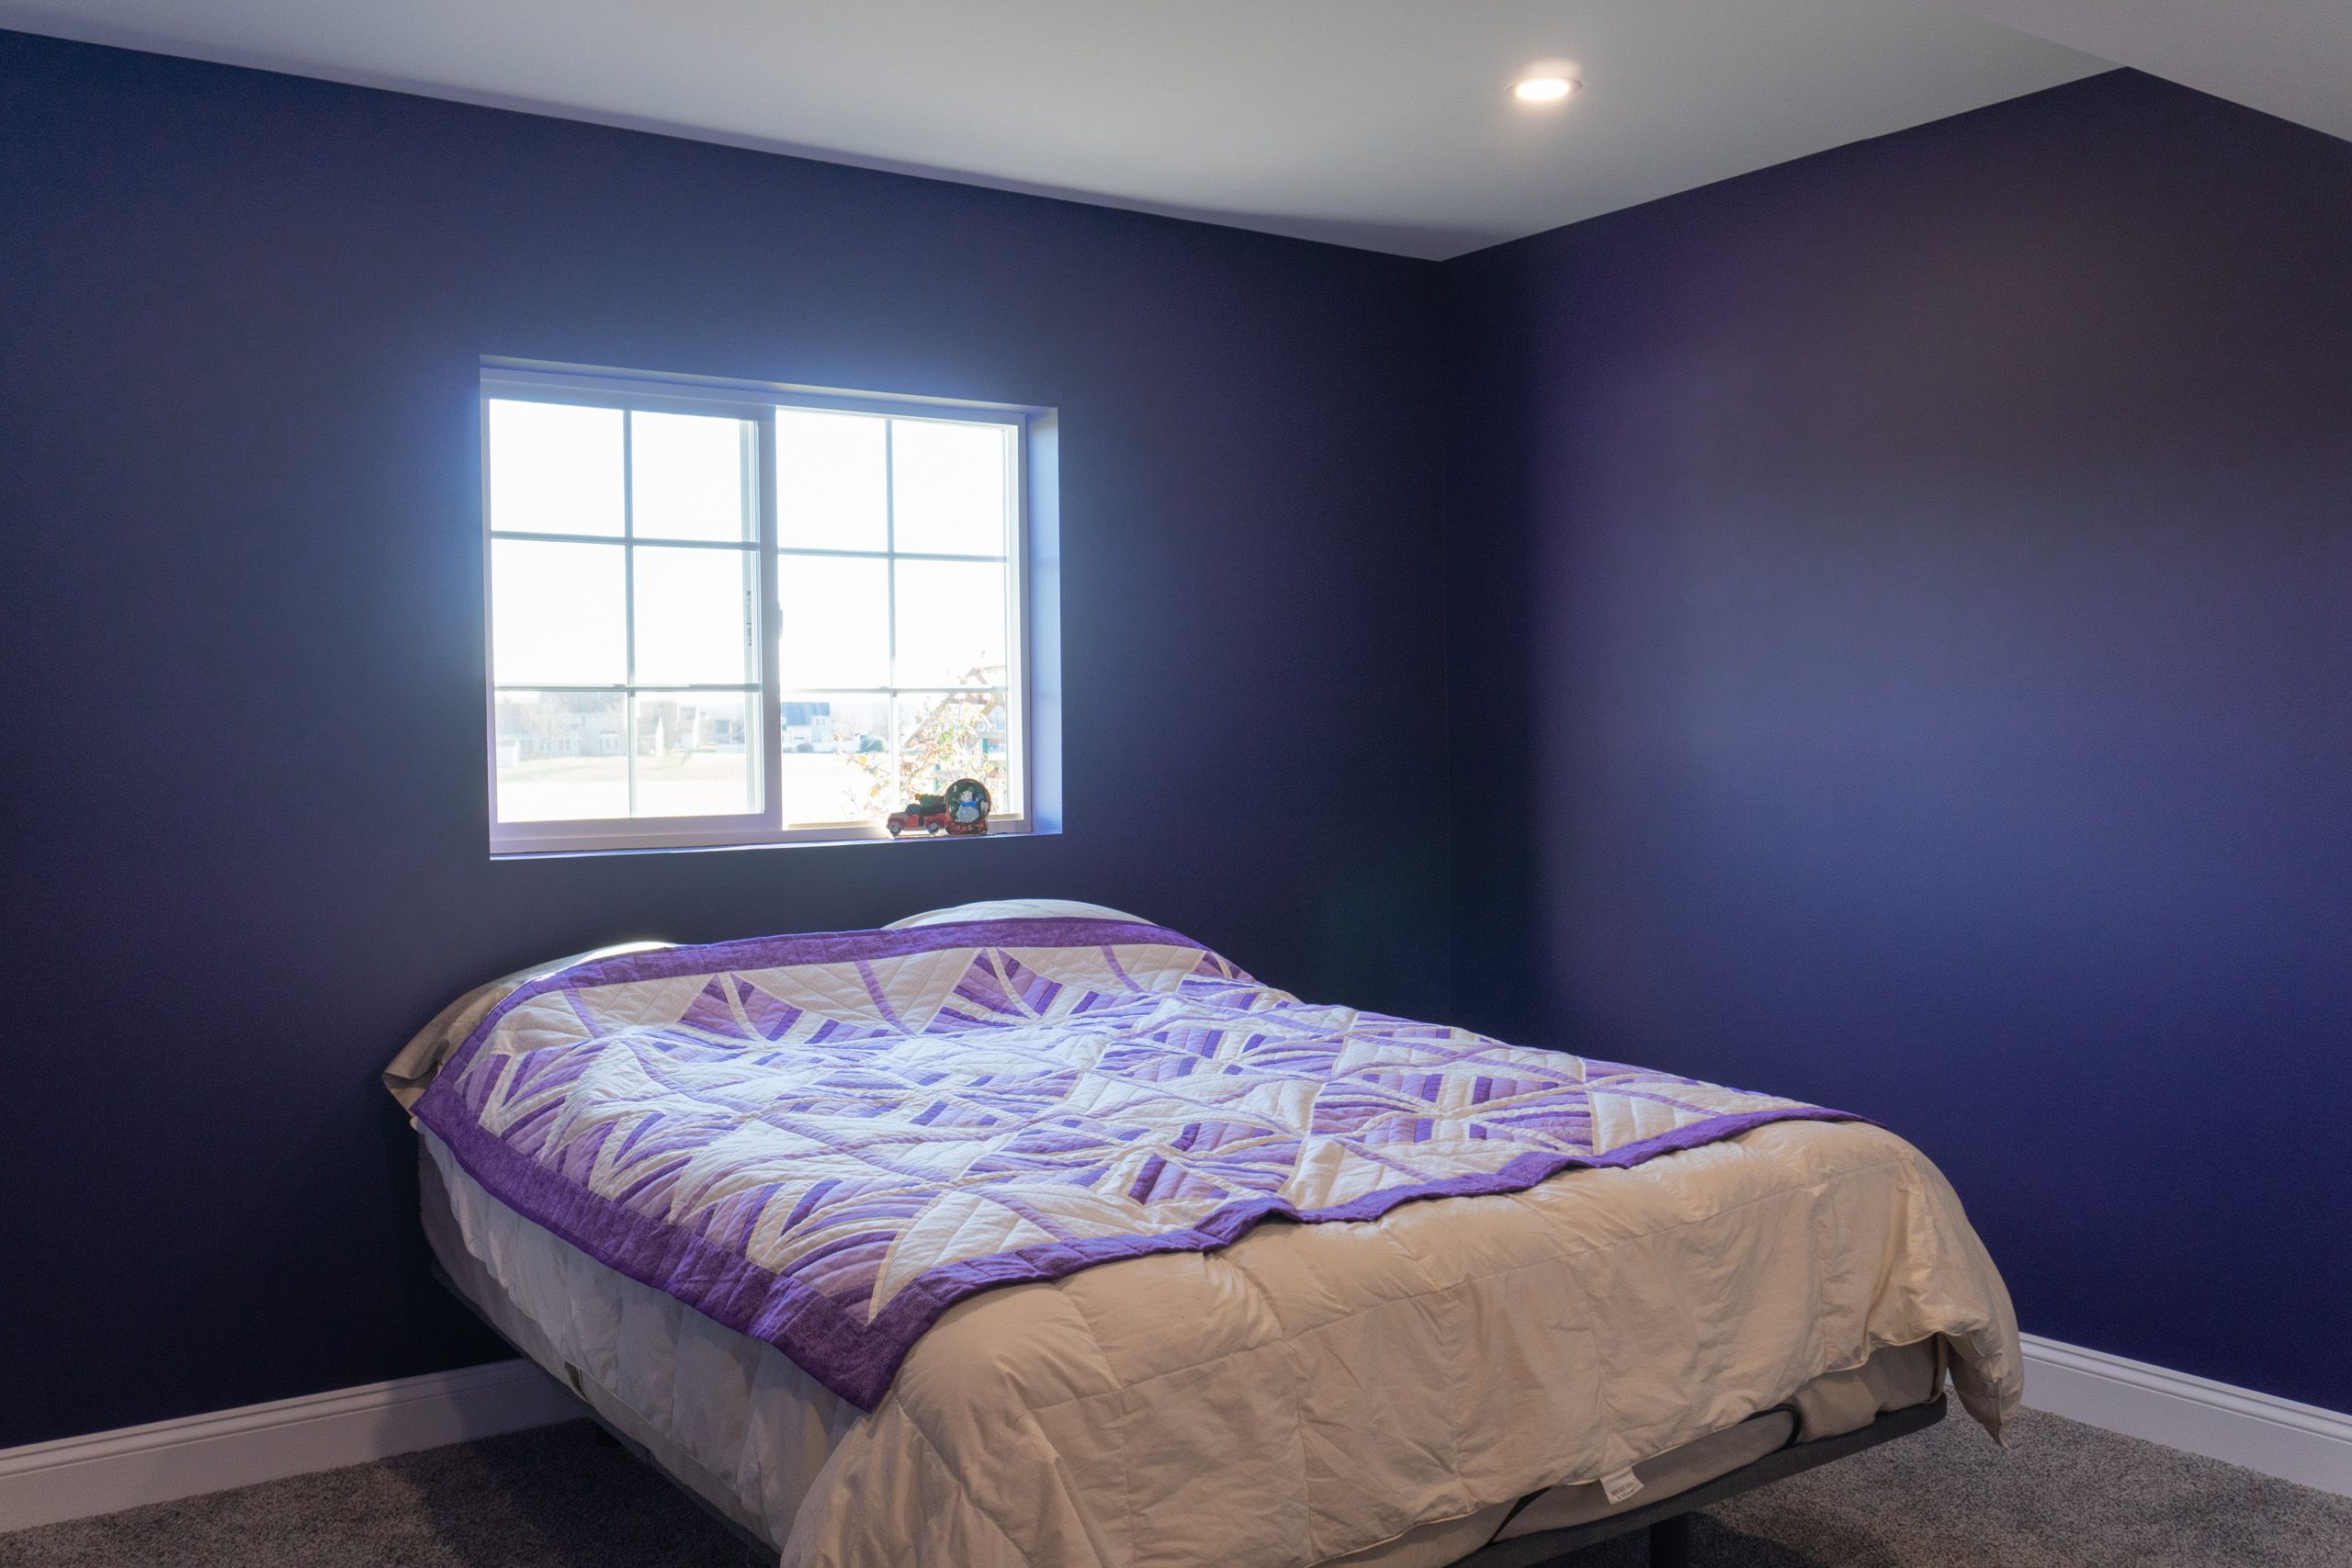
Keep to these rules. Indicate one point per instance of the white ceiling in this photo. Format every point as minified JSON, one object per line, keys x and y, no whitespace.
{"x":1382,"y":123}
{"x":2292,"y":58}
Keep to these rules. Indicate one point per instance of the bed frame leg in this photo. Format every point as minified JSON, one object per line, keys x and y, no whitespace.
{"x":1671,"y":1542}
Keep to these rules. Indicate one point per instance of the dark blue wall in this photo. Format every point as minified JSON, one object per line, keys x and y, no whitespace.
{"x":1910,"y":591}
{"x":1898,"y":624}
{"x":241,"y":317}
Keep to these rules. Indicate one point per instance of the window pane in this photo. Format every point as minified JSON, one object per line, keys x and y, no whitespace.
{"x":832,"y":482}
{"x":555,"y":617}
{"x":835,"y":621}
{"x":962,"y":735}
{"x":693,"y":616}
{"x":951,"y":624}
{"x":690,"y":477}
{"x":562,"y":755}
{"x":948,"y":486}
{"x":554,"y":468}
{"x":693,"y":754}
{"x":836,"y":762}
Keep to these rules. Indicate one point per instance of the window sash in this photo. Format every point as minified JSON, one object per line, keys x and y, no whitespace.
{"x":757,"y":405}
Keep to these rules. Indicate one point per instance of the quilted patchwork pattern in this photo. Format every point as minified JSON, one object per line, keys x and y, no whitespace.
{"x":826,"y":1140}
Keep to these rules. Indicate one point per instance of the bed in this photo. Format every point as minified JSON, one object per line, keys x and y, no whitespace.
{"x":1484,"y":1371}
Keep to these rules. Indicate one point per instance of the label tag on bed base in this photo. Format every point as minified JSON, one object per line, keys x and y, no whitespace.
{"x":1622,"y":1485}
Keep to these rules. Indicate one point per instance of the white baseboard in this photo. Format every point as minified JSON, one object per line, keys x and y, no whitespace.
{"x":75,"y":1477}
{"x":2260,"y":1431}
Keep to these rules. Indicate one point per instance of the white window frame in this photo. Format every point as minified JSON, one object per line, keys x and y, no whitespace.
{"x":758,"y":402}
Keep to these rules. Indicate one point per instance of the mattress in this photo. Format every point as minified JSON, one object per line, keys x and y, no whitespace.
{"x":1368,"y":1392}
{"x":737,"y":1424}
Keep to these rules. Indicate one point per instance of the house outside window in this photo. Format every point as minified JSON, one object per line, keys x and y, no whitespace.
{"x":724,"y":614}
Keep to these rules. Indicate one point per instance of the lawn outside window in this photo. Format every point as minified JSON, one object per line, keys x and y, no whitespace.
{"x":724,"y":615}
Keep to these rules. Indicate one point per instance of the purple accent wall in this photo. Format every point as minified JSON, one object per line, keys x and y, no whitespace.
{"x":241,"y":316}
{"x":1906,"y":636}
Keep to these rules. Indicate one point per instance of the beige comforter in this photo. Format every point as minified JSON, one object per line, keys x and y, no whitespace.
{"x":1312,"y":1390}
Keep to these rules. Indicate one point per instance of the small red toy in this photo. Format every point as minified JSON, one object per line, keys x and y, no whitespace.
{"x":962,"y":809}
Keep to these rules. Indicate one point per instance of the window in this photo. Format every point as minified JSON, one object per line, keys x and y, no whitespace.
{"x":727,"y":615}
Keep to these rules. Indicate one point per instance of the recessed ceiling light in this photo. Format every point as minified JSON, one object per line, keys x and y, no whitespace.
{"x":1544,"y":89}
{"x":1547,"y":80}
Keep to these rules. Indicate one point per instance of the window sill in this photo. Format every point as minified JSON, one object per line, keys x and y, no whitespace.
{"x":558,"y":850}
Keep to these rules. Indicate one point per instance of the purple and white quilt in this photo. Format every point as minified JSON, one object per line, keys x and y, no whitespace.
{"x":824,"y":1142}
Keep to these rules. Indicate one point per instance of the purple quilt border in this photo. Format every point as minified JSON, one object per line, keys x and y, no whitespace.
{"x":859,"y":1362}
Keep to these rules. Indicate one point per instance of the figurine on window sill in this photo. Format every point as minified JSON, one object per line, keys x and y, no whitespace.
{"x":961,"y":809}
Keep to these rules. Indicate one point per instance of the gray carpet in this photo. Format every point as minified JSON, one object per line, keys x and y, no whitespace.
{"x":2064,"y":1494}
